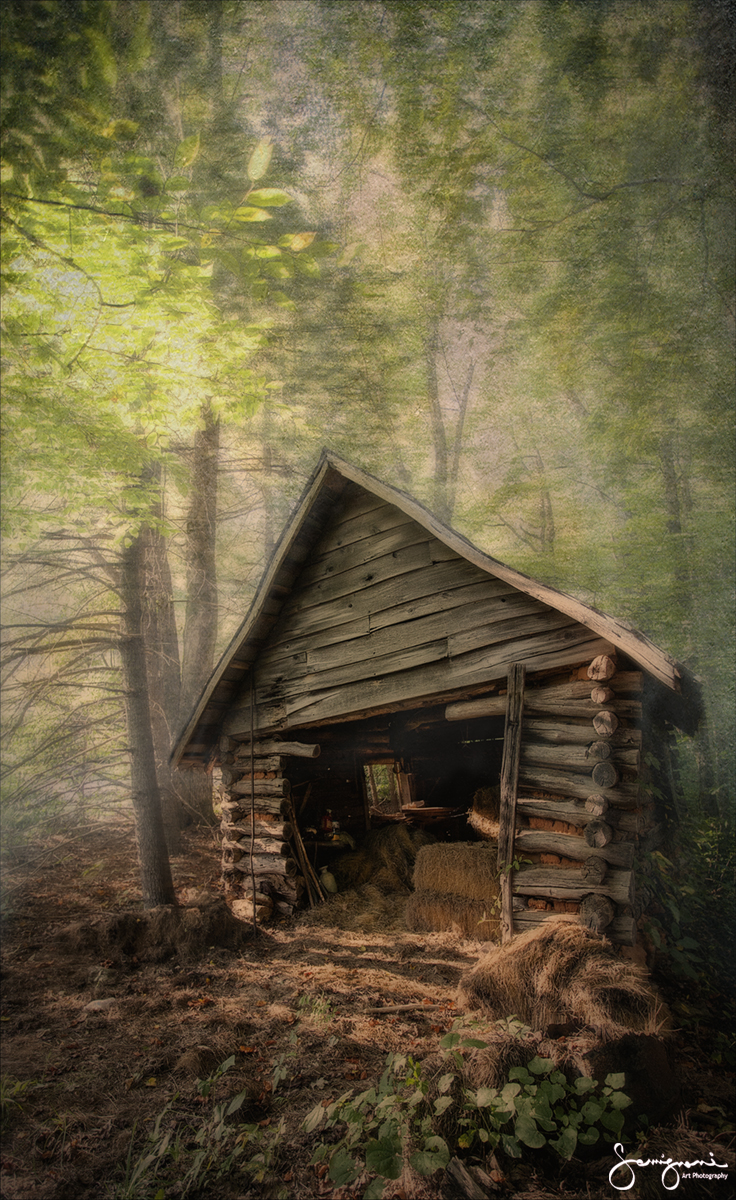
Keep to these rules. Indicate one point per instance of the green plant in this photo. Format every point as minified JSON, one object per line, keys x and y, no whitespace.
{"x":10,"y":1091}
{"x":395,"y":1122}
{"x":685,"y":890}
{"x":319,"y":1008}
{"x":197,"y":1154}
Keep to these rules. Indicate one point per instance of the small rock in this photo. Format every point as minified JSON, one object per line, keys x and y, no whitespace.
{"x":100,"y":1005}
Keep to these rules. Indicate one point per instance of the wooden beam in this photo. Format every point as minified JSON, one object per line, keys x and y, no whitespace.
{"x":509,"y":782}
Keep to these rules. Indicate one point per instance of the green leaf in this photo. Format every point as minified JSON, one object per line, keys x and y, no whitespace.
{"x":442,"y":1104}
{"x":613,"y":1121}
{"x":589,"y":1136}
{"x":383,"y":1155}
{"x":297,"y":241}
{"x":274,"y":198}
{"x":527,"y":1132}
{"x":616,"y":1080}
{"x":591,"y":1111}
{"x":375,"y":1189}
{"x":446,"y":1082}
{"x":343,"y":1168}
{"x":187,"y":151}
{"x":260,"y":160}
{"x":433,"y":1157}
{"x":511,"y":1146}
{"x":566,"y":1143}
{"x":584,"y":1084}
{"x":541,"y":1066}
{"x":247,"y":214}
{"x":314,"y":1119}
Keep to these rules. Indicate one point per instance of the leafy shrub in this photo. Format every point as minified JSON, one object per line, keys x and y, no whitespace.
{"x":395,"y":1122}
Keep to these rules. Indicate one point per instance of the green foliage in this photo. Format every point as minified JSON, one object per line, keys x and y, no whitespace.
{"x":11,"y":1091}
{"x":198,"y":1152}
{"x":397,"y":1121}
{"x":691,"y":921}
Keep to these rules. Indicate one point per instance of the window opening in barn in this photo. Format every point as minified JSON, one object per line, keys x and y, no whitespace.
{"x":381,"y":783}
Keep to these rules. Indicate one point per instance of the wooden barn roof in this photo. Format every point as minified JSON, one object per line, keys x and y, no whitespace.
{"x":200,"y":737}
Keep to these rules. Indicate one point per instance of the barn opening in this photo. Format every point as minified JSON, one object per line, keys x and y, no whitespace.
{"x":411,"y":766}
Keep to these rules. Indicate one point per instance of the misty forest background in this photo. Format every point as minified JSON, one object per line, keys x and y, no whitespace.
{"x":481,"y":249}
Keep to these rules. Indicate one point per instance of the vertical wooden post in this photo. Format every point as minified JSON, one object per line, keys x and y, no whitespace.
{"x":509,"y":782}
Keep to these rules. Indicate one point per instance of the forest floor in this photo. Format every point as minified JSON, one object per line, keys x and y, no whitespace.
{"x":295,"y":1006}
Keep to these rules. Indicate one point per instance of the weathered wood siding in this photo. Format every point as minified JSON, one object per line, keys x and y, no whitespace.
{"x":383,"y":614}
{"x":580,"y":807}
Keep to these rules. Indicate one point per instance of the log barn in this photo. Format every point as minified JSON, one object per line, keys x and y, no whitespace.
{"x":390,"y":671}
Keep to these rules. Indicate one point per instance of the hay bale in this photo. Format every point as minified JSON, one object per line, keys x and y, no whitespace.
{"x":561,"y":972}
{"x":428,"y":911}
{"x":460,"y":869}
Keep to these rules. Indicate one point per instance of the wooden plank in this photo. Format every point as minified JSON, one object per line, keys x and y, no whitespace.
{"x":622,"y":929}
{"x":576,"y":814}
{"x":241,"y":763}
{"x":317,"y":653}
{"x":365,"y":549}
{"x":424,"y":684}
{"x":410,"y":558}
{"x":567,"y":783}
{"x":333,"y":627}
{"x":308,"y":678}
{"x":261,"y":787}
{"x":482,"y":623}
{"x":567,"y":845}
{"x":564,"y":883}
{"x":509,"y":775}
{"x":420,"y":586}
{"x":283,"y":749}
{"x":574,"y":757}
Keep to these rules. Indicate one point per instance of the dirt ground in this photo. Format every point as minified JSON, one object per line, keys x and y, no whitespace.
{"x":297,"y":1007}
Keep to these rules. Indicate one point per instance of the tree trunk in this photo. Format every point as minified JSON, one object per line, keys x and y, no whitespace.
{"x":440,"y":503}
{"x":156,"y":880}
{"x":162,"y":662}
{"x":200,"y":621}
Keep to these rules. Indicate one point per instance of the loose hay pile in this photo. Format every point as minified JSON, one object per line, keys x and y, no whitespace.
{"x":366,"y":909}
{"x":373,"y":881}
{"x":159,"y":934}
{"x":484,"y":817}
{"x":456,"y":888}
{"x":385,"y":859}
{"x":559,"y":972}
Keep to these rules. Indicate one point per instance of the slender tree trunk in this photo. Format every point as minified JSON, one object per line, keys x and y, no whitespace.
{"x":440,"y":502}
{"x":200,"y":623}
{"x":156,"y":880}
{"x":162,"y":660}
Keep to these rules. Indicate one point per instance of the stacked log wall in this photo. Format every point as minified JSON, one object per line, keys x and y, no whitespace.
{"x":259,"y":856}
{"x":580,"y":809}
